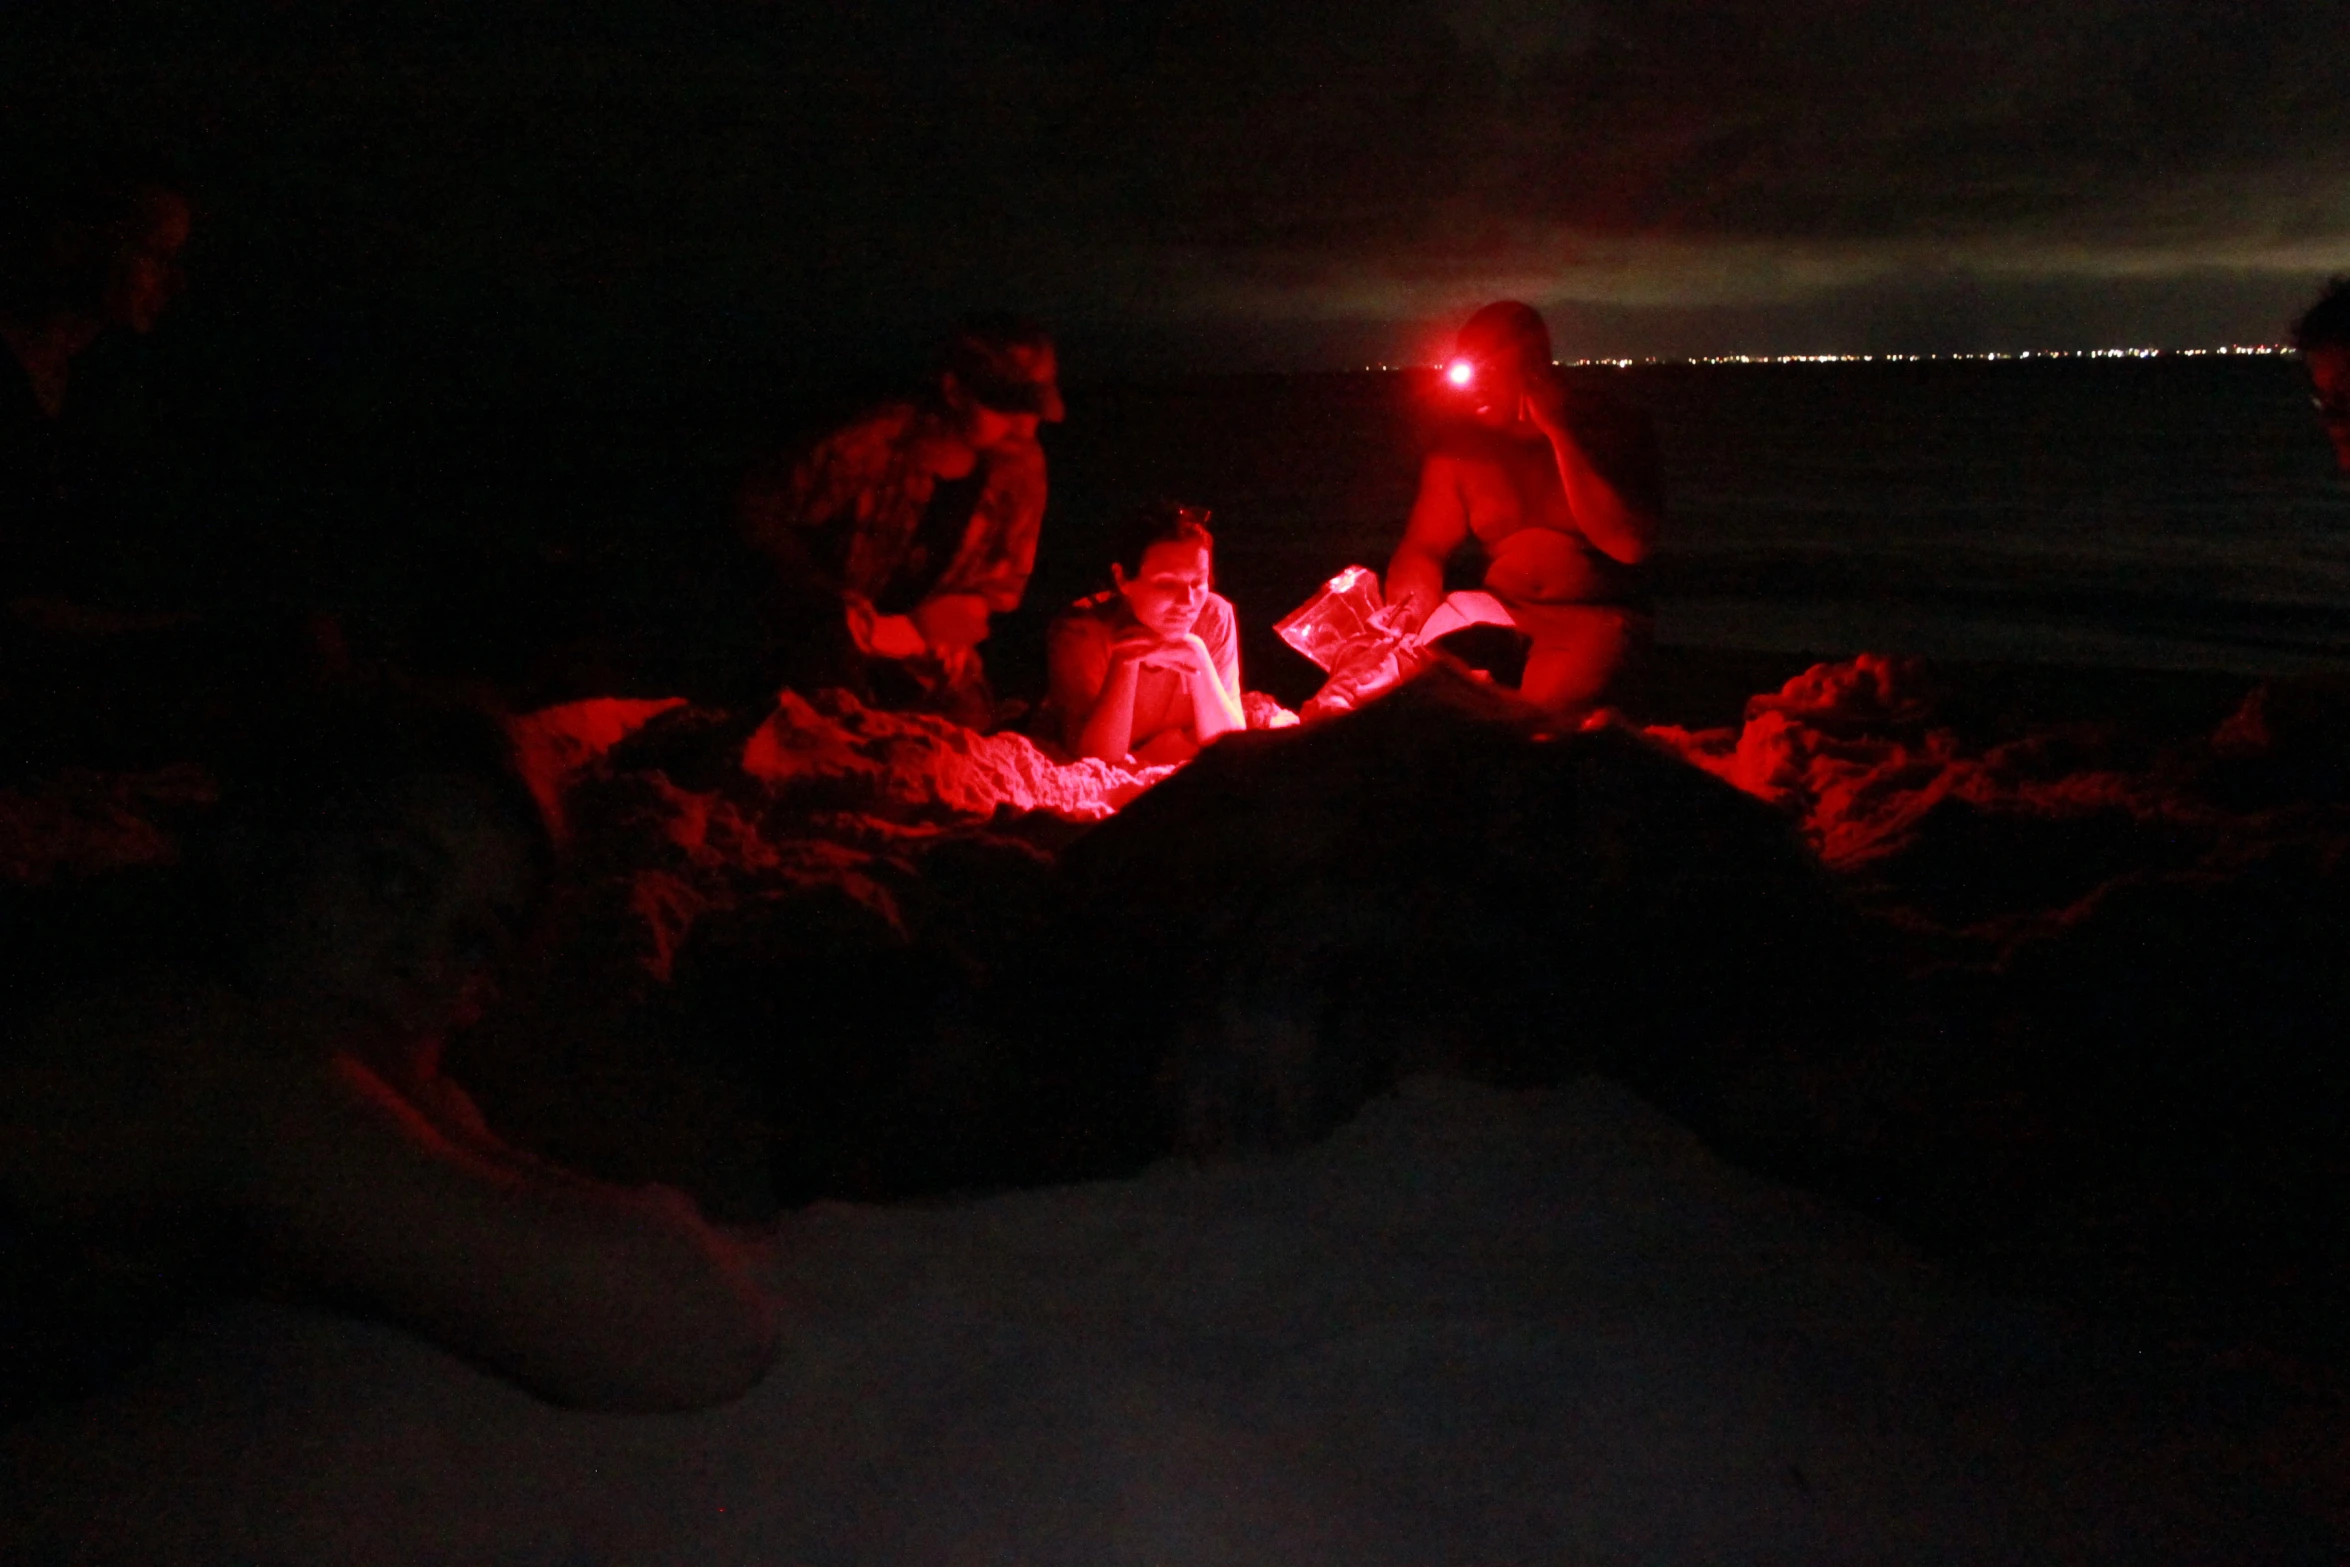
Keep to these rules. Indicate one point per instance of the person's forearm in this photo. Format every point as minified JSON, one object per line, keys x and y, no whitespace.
{"x":1618,"y":530}
{"x":1416,"y":579}
{"x":1214,"y":710}
{"x":584,"y":1293}
{"x":1108,"y":731}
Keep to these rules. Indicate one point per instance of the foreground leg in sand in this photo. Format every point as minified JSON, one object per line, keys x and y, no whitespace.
{"x":297,"y":1119}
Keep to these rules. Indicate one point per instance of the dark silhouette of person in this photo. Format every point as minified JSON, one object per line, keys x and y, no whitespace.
{"x":1560,"y":491}
{"x":276,"y":1106}
{"x":906,"y":530}
{"x":80,"y":255}
{"x":2323,"y":337}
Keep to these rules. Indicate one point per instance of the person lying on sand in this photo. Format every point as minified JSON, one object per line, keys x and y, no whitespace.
{"x":1559,"y":490}
{"x":1148,"y":671}
{"x":908,"y":528}
{"x":289,"y":1113}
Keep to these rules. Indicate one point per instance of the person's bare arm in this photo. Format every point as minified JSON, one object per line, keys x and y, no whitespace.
{"x":1215,"y":706}
{"x":1439,"y":524}
{"x":1106,"y":732}
{"x":584,"y":1293}
{"x":1095,"y":702}
{"x":1215,"y":654}
{"x":1616,"y":527}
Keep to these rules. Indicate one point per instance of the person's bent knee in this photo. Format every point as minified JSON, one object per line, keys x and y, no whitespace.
{"x":684,"y":1328}
{"x":718,"y":1350}
{"x":720,"y":1344}
{"x":1574,"y":661}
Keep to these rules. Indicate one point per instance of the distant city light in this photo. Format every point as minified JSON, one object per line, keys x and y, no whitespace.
{"x":1460,"y":372}
{"x":2230,"y":349}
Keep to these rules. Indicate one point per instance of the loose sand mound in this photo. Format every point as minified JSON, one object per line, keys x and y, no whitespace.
{"x":1470,"y":1327}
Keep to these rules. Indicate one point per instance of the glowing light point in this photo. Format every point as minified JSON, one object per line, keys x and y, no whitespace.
{"x":1460,"y":372}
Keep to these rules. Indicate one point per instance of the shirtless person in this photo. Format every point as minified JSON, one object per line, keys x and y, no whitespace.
{"x":1561,"y":494}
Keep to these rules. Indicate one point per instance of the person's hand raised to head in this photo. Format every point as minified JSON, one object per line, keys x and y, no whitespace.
{"x":1546,"y":400}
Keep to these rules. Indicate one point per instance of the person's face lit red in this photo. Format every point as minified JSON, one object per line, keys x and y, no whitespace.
{"x":1167,"y":594}
{"x":2329,"y":379}
{"x":1492,"y":378}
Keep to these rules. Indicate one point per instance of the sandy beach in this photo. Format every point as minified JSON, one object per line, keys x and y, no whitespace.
{"x":1472,"y":1326}
{"x":1916,"y":1206}
{"x":725,"y":837}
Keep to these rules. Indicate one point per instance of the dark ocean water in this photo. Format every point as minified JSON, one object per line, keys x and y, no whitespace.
{"x":2174,"y":513}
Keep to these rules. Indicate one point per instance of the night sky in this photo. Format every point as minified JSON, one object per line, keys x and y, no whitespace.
{"x":1208,"y":185}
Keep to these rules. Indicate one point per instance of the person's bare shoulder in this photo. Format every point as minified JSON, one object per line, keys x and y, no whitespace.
{"x":1221,"y":622}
